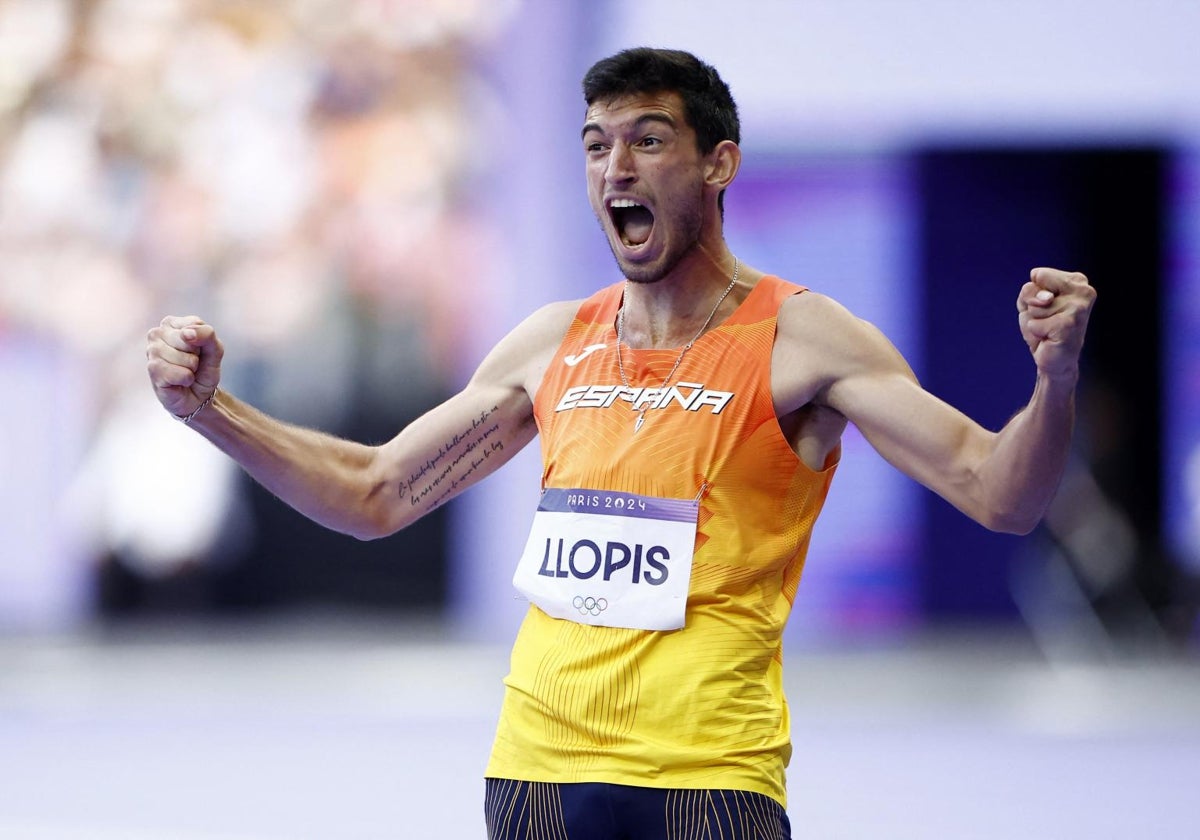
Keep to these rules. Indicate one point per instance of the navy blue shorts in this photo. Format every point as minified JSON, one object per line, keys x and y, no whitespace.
{"x":591,"y":811}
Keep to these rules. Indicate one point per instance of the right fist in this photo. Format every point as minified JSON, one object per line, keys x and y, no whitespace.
{"x":183,"y":358}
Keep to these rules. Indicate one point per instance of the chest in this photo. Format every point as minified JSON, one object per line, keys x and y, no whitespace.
{"x":652,"y":420}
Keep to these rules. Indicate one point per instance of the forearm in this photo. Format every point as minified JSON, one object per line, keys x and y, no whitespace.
{"x":366,"y":491}
{"x":1022,"y":472}
{"x":327,"y":479}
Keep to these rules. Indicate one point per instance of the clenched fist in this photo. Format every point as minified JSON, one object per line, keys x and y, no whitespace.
{"x":183,"y":358}
{"x":1053,"y":308}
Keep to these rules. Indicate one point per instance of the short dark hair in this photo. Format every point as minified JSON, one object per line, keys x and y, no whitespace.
{"x":708,"y":105}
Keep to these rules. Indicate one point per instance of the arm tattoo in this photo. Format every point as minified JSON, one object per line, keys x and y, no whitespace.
{"x":448,"y":469}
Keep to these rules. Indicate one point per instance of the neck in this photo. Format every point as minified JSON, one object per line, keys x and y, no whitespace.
{"x":681,"y":306}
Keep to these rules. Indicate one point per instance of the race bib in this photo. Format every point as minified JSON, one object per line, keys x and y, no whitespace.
{"x":610,"y":559}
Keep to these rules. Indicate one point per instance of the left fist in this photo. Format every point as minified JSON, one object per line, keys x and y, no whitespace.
{"x":1053,"y":310}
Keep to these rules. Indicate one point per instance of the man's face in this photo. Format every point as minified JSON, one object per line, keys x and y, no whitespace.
{"x":645,"y":181}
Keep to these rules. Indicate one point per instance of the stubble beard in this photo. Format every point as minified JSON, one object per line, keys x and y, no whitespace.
{"x":689,"y":226}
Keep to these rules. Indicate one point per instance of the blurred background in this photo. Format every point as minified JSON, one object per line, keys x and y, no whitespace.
{"x":364,"y":195}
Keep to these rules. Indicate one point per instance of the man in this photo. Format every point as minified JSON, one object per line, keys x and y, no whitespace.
{"x":690,"y":422}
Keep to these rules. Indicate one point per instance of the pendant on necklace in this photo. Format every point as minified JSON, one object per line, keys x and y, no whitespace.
{"x":640,"y":420}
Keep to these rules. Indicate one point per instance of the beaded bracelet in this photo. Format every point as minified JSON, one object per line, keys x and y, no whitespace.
{"x":188,"y":417}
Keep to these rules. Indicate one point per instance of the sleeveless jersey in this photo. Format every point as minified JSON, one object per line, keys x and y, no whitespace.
{"x":702,"y":706}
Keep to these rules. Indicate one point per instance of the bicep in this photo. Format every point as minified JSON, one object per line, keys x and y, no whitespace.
{"x":929,"y":440}
{"x":475,"y":432}
{"x":924,"y":437}
{"x":453,"y":446}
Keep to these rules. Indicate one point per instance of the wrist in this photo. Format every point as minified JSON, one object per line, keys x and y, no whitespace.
{"x":1059,"y":378}
{"x":1057,"y":387}
{"x":186,"y":419}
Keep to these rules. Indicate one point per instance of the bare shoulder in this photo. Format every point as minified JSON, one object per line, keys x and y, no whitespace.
{"x":811,"y":318}
{"x":820,"y":342}
{"x":549,"y":323}
{"x":521,"y":357}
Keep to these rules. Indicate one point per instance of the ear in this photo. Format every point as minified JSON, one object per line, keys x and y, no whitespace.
{"x":722,"y":164}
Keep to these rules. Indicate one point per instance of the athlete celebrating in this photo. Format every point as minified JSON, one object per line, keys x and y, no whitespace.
{"x":690,"y":420}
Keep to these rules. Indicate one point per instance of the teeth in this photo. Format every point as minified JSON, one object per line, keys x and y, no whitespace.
{"x":624,"y":202}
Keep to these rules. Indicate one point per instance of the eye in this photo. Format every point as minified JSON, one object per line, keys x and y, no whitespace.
{"x":650,"y":142}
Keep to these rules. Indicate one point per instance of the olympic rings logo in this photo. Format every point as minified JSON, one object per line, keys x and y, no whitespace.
{"x":590,"y":605}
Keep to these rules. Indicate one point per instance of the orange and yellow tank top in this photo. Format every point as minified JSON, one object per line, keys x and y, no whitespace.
{"x":702,"y":706}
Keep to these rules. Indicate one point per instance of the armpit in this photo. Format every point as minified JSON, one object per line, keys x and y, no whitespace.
{"x":814,"y":433}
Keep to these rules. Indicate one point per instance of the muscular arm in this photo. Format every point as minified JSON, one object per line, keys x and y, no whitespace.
{"x":366,"y":491}
{"x":1004,"y":480}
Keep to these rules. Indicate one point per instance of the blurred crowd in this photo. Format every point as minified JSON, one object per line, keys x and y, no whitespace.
{"x":298,"y":172}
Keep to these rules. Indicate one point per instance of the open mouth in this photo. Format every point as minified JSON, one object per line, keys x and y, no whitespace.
{"x":633,"y":222}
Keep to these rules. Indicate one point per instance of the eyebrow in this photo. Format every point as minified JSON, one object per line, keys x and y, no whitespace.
{"x":666,"y":119}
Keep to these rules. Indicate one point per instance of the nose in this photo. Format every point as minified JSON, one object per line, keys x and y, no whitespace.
{"x":620,"y":169}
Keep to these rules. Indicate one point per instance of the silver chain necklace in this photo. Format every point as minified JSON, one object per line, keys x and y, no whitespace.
{"x":641,"y":412}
